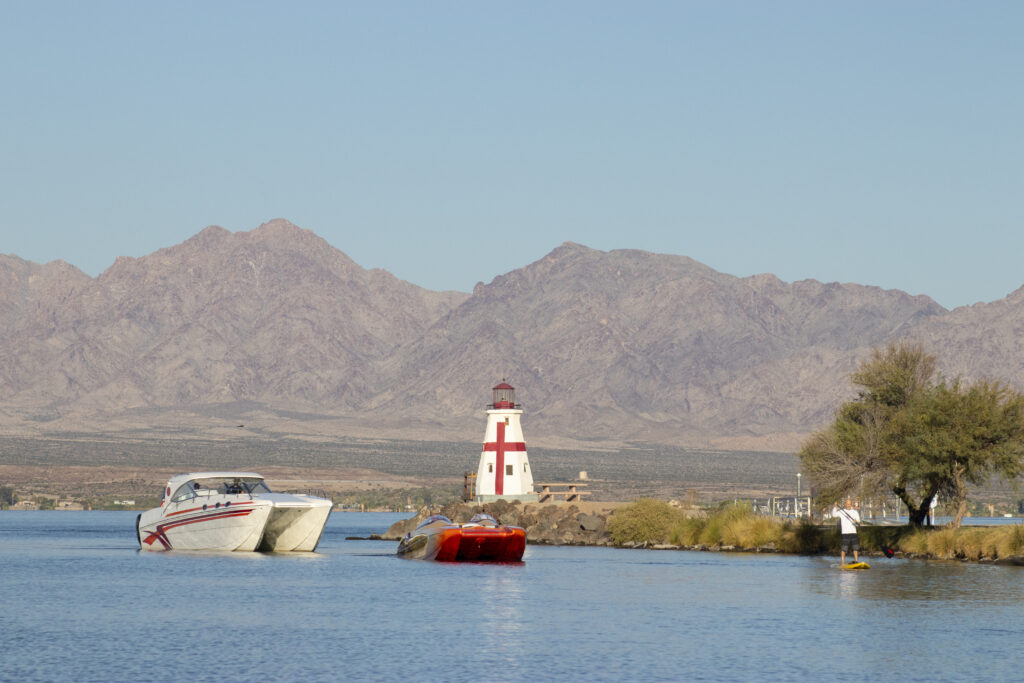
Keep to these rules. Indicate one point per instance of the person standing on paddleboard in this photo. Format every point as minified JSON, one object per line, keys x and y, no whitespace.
{"x":849,"y":518}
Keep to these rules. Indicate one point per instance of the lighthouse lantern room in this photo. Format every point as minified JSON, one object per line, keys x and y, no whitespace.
{"x":504,"y":470}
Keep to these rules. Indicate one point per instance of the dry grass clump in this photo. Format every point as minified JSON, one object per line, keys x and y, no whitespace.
{"x":971,"y":543}
{"x":653,"y":521}
{"x":915,"y":543}
{"x":942,"y":543}
{"x":978,"y":543}
{"x":688,"y":531}
{"x":1011,"y":541}
{"x":717,"y":526}
{"x":751,"y":531}
{"x":733,"y":525}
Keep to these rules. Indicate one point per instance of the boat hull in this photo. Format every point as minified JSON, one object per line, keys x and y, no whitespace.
{"x":296,"y":523}
{"x":237,"y":527}
{"x":465,"y":544}
{"x":505,"y":544}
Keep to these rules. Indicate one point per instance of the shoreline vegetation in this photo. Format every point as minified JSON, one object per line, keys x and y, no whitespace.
{"x":734,"y":527}
{"x":648,"y":523}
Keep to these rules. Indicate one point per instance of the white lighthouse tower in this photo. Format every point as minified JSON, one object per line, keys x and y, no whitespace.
{"x":504,"y":470}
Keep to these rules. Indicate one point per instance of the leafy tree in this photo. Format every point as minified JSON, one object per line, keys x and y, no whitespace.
{"x":958,"y":435}
{"x":915,"y":435}
{"x":7,"y":496}
{"x":855,"y":453}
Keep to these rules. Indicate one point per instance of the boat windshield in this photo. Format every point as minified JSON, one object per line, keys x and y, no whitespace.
{"x":433,"y":519}
{"x":213,"y":486}
{"x":481,"y":519}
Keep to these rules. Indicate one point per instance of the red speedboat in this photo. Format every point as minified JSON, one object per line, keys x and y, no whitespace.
{"x":482,"y":539}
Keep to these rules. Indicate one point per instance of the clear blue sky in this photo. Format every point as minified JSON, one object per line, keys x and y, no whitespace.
{"x":449,"y":142}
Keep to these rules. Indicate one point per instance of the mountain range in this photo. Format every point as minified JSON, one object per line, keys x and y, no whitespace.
{"x":274,"y":331}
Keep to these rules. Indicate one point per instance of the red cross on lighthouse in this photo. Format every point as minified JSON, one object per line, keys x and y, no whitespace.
{"x":501,"y":447}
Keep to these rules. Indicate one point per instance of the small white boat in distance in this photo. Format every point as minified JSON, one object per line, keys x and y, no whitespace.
{"x":231,"y":511}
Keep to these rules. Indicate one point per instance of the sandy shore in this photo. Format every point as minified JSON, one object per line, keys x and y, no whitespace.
{"x":73,"y":481}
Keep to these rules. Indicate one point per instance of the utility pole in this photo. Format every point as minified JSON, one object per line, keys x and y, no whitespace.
{"x":796,"y":506}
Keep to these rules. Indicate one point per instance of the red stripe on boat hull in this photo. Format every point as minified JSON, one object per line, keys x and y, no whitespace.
{"x":160,"y":534}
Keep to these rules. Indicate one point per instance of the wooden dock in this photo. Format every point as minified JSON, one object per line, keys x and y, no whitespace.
{"x":570,"y":491}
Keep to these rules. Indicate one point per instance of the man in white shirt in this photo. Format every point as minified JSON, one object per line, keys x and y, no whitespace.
{"x":849,"y":518}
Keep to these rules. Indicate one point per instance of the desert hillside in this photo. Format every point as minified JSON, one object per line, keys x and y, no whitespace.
{"x":276,"y":330}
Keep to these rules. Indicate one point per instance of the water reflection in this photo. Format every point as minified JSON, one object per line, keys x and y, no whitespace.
{"x":499,"y":595}
{"x":953,"y":583}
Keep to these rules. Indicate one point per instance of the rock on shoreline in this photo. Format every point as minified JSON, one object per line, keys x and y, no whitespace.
{"x":544,"y":524}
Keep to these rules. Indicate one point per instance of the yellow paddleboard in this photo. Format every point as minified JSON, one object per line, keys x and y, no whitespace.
{"x":855,"y":565}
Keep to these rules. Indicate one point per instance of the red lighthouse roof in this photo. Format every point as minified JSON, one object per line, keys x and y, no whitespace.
{"x":504,"y":397}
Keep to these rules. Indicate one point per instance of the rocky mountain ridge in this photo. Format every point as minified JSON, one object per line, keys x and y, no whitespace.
{"x":277,"y":330}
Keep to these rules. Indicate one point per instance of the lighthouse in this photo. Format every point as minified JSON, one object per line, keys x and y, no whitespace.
{"x":504,"y":470}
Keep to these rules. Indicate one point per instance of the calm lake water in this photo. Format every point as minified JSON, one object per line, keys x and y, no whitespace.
{"x":81,"y":603}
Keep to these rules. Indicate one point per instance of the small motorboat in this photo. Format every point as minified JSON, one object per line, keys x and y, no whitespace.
{"x":482,"y":539}
{"x":231,"y":511}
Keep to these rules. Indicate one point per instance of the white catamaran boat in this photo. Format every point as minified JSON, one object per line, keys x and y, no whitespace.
{"x":231,"y":511}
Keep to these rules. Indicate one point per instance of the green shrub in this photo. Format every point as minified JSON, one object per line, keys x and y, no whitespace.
{"x":644,"y":521}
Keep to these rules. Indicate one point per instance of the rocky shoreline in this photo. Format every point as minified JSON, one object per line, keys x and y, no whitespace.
{"x":544,"y":524}
{"x":556,"y":524}
{"x":552,"y":524}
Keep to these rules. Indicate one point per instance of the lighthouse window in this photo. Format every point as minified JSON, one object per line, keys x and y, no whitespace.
{"x":490,"y":467}
{"x":524,"y":467}
{"x":508,"y":470}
